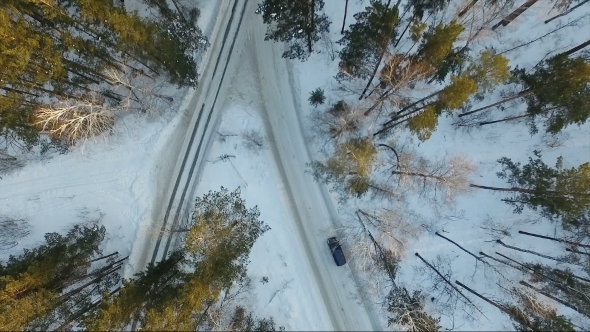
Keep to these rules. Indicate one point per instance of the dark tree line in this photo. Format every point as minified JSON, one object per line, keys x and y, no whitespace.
{"x":68,"y":283}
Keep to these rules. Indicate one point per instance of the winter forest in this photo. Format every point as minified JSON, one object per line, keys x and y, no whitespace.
{"x":451,"y":136}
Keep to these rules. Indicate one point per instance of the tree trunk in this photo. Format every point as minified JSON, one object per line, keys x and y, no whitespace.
{"x":63,"y":298}
{"x":554,"y":239}
{"x":524,"y":268}
{"x":103,"y":257}
{"x":383,"y":49}
{"x":466,"y":9}
{"x":566,"y":12}
{"x":540,"y":291}
{"x":512,"y":16}
{"x":446,"y":280}
{"x":534,"y":271}
{"x":392,"y":125}
{"x":77,"y":278}
{"x":403,"y":33}
{"x":416,"y":102}
{"x":529,"y":251}
{"x":83,"y":311}
{"x":5,"y":88}
{"x":425,"y":176}
{"x":344,"y":20}
{"x":501,"y":308}
{"x":519,"y":95}
{"x":386,"y":126}
{"x":501,"y":261}
{"x":311,"y":27}
{"x":460,"y":247}
{"x":577,"y":48}
{"x":577,"y":252}
{"x":504,"y":120}
{"x":529,"y":191}
{"x":378,"y":247}
{"x":392,"y":149}
{"x":179,"y":11}
{"x":381,"y":98}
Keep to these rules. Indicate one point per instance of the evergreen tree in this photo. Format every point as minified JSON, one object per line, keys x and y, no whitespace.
{"x":301,"y":23}
{"x":152,"y":287}
{"x":562,"y":282}
{"x":45,"y":286}
{"x":531,"y":314}
{"x":557,"y":91}
{"x":561,"y":92}
{"x":317,"y":97}
{"x":244,"y":321}
{"x":438,"y":42}
{"x":58,"y":50}
{"x":366,"y":40}
{"x":351,"y":166}
{"x":448,"y":99}
{"x":177,"y":293}
{"x":557,"y":193}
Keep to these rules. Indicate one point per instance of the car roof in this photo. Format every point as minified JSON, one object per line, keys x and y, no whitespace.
{"x":339,"y":256}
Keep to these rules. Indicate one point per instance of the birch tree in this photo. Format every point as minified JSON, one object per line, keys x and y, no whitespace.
{"x":438,"y":181}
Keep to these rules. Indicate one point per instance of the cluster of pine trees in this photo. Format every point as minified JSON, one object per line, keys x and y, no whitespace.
{"x":68,"y":283}
{"x":411,"y":63}
{"x":68,"y":66}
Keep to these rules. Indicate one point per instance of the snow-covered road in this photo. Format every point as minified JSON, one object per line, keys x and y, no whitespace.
{"x":183,"y":156}
{"x":310,"y":207}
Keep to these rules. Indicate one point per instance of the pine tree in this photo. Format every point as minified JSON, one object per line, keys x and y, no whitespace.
{"x":45,"y":285}
{"x":177,"y":293}
{"x":531,"y":314}
{"x":351,"y":166}
{"x":421,"y":7}
{"x":557,"y":91}
{"x":366,"y":40}
{"x":317,"y":97}
{"x":152,"y":287}
{"x":301,"y":23}
{"x":448,"y":99}
{"x":561,"y":92}
{"x":557,"y":193}
{"x":438,"y":43}
{"x":424,"y":124}
{"x":57,"y":50}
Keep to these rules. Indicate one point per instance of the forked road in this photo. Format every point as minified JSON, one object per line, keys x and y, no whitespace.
{"x":310,"y":206}
{"x":184,"y":155}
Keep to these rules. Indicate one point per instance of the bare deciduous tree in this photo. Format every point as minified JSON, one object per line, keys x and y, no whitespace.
{"x":75,"y":120}
{"x":448,"y":299}
{"x":398,"y":80}
{"x":439,"y":181}
{"x":408,"y":312}
{"x":253,"y":140}
{"x":141,"y":93}
{"x":337,"y":122}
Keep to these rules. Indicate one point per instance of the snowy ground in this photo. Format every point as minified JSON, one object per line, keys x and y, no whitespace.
{"x":483,"y":147}
{"x":117,"y":179}
{"x":112,"y":179}
{"x":289,"y":296}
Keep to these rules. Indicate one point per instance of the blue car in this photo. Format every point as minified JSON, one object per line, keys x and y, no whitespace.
{"x":336,"y":250}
